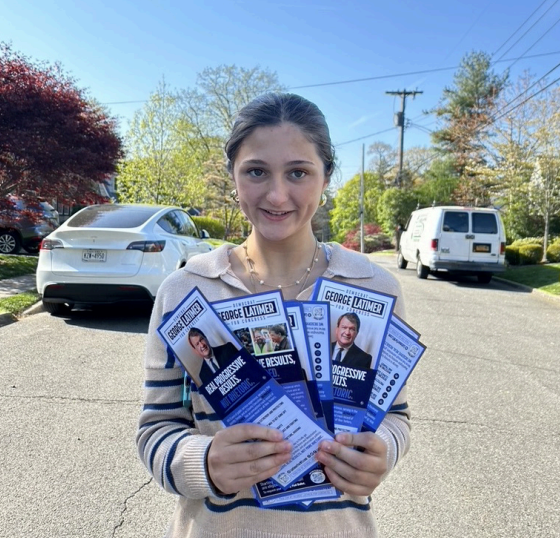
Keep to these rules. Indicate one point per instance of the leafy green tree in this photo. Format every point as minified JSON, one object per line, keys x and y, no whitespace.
{"x":438,"y":183}
{"x":465,"y":114}
{"x":165,"y":157}
{"x":394,"y":207}
{"x":345,"y":215}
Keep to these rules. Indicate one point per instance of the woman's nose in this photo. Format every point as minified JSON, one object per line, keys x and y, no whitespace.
{"x":278,"y":192}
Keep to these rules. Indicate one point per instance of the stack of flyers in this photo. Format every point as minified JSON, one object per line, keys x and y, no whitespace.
{"x":264,"y":327}
{"x":359,"y":321}
{"x":236,"y":386}
{"x":310,"y":369}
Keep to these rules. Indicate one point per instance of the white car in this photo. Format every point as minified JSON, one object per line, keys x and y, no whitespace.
{"x":114,"y":253}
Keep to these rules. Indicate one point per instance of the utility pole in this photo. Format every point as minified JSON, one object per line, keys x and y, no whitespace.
{"x":362,"y":199}
{"x":399,"y":122}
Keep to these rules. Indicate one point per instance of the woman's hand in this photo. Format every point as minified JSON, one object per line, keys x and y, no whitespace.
{"x":235,"y":464}
{"x":355,"y":472}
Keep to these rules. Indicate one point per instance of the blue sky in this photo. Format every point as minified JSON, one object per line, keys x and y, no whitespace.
{"x":119,"y":50}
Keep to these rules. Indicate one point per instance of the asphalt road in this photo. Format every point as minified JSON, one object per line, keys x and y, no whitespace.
{"x":485,"y":459}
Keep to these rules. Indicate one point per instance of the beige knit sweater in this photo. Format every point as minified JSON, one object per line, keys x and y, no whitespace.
{"x":172,"y":441}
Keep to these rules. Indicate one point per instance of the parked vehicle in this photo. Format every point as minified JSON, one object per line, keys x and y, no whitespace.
{"x":459,"y":240}
{"x":26,"y":225}
{"x":115,"y":253}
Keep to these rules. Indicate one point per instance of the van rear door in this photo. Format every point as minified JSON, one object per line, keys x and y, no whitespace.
{"x":453,"y":242}
{"x":484,"y":237}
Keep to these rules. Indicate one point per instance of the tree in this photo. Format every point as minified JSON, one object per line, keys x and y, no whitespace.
{"x":394,"y":207}
{"x":165,"y":156}
{"x":55,"y":142}
{"x":465,"y":113}
{"x":383,"y":162}
{"x":220,"y":93}
{"x":346,"y":213}
{"x":438,"y":183}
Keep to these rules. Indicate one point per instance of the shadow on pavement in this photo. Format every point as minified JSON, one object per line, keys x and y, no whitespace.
{"x":133,"y":318}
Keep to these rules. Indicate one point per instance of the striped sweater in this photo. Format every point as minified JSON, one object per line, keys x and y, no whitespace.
{"x":172,"y":440}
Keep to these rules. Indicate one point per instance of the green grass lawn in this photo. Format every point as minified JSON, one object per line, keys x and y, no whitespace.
{"x":12,"y":266}
{"x":541,"y":277}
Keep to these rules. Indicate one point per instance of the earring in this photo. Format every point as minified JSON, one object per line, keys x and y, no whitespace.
{"x":323,"y":200}
{"x":234,"y":196}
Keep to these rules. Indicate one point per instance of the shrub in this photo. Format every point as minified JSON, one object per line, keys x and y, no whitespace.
{"x":530,"y":254}
{"x":528,"y":241}
{"x":374,"y":239}
{"x":213,"y":226}
{"x":553,"y":253}
{"x":512,"y":255}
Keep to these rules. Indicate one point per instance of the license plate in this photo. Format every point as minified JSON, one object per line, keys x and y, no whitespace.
{"x":94,"y":256}
{"x":478,"y":247}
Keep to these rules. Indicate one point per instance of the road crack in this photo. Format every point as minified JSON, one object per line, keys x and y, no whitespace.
{"x":125,"y":506}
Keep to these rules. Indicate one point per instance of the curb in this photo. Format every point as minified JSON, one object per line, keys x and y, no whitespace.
{"x":8,"y":319}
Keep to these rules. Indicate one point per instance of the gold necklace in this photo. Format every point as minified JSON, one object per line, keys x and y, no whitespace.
{"x":253,"y":273}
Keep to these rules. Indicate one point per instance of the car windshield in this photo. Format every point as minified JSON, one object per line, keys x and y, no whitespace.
{"x":111,"y":216}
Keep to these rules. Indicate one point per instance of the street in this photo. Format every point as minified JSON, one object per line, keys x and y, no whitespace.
{"x":485,"y":456}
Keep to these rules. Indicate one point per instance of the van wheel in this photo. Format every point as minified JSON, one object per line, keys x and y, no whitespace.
{"x":57,"y":309}
{"x":484,"y":278}
{"x":422,"y":271}
{"x":401,"y":262}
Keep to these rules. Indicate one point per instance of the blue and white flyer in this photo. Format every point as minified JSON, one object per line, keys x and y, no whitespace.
{"x":256,"y":319}
{"x":316,"y":318}
{"x":295,"y":315}
{"x":236,"y":386}
{"x":359,"y":322}
{"x":400,"y":354}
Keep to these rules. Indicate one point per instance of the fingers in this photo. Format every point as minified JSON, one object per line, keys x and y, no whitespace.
{"x":242,"y":455}
{"x":357,"y":472}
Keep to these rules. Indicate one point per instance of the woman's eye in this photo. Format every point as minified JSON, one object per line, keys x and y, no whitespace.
{"x":299,"y":174}
{"x":255,"y":172}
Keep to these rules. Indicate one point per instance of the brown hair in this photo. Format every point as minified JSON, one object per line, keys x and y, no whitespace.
{"x":274,"y":109}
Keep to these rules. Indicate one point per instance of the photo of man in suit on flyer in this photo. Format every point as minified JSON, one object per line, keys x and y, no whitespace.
{"x":213,"y":358}
{"x":344,"y":350}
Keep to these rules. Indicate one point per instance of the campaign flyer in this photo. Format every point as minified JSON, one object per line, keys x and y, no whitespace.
{"x":316,"y":317}
{"x":359,"y":322}
{"x":260,"y":319}
{"x":400,"y":354}
{"x":295,"y":316}
{"x":237,"y":387}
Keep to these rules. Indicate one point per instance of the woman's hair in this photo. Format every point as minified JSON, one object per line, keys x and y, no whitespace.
{"x":274,"y":109}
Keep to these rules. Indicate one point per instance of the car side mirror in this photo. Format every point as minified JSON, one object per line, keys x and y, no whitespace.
{"x":204,"y":234}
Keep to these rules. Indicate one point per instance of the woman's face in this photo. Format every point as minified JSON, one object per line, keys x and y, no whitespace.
{"x":279,"y":178}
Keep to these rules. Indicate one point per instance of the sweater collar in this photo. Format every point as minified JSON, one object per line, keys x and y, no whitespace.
{"x":343,"y":263}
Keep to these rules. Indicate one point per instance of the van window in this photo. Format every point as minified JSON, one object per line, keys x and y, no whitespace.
{"x":484,"y":223}
{"x":456,"y":221}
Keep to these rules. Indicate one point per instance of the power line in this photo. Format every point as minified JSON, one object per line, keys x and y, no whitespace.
{"x":381,"y":77}
{"x":523,"y":24}
{"x":540,"y":38}
{"x":364,"y":137}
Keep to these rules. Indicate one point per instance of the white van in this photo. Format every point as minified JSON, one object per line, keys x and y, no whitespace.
{"x":461,"y":240}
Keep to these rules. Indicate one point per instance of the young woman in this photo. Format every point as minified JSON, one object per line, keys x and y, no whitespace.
{"x":281,"y":159}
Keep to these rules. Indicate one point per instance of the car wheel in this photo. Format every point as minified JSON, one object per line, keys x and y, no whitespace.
{"x":484,"y":278}
{"x":401,"y":262}
{"x":57,"y":309}
{"x":10,"y":243}
{"x":422,"y":271}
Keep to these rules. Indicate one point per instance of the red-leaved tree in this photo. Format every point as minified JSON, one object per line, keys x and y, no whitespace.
{"x":55,"y":143}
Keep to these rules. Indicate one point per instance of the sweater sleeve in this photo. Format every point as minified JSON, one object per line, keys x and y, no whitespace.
{"x":169,"y":445}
